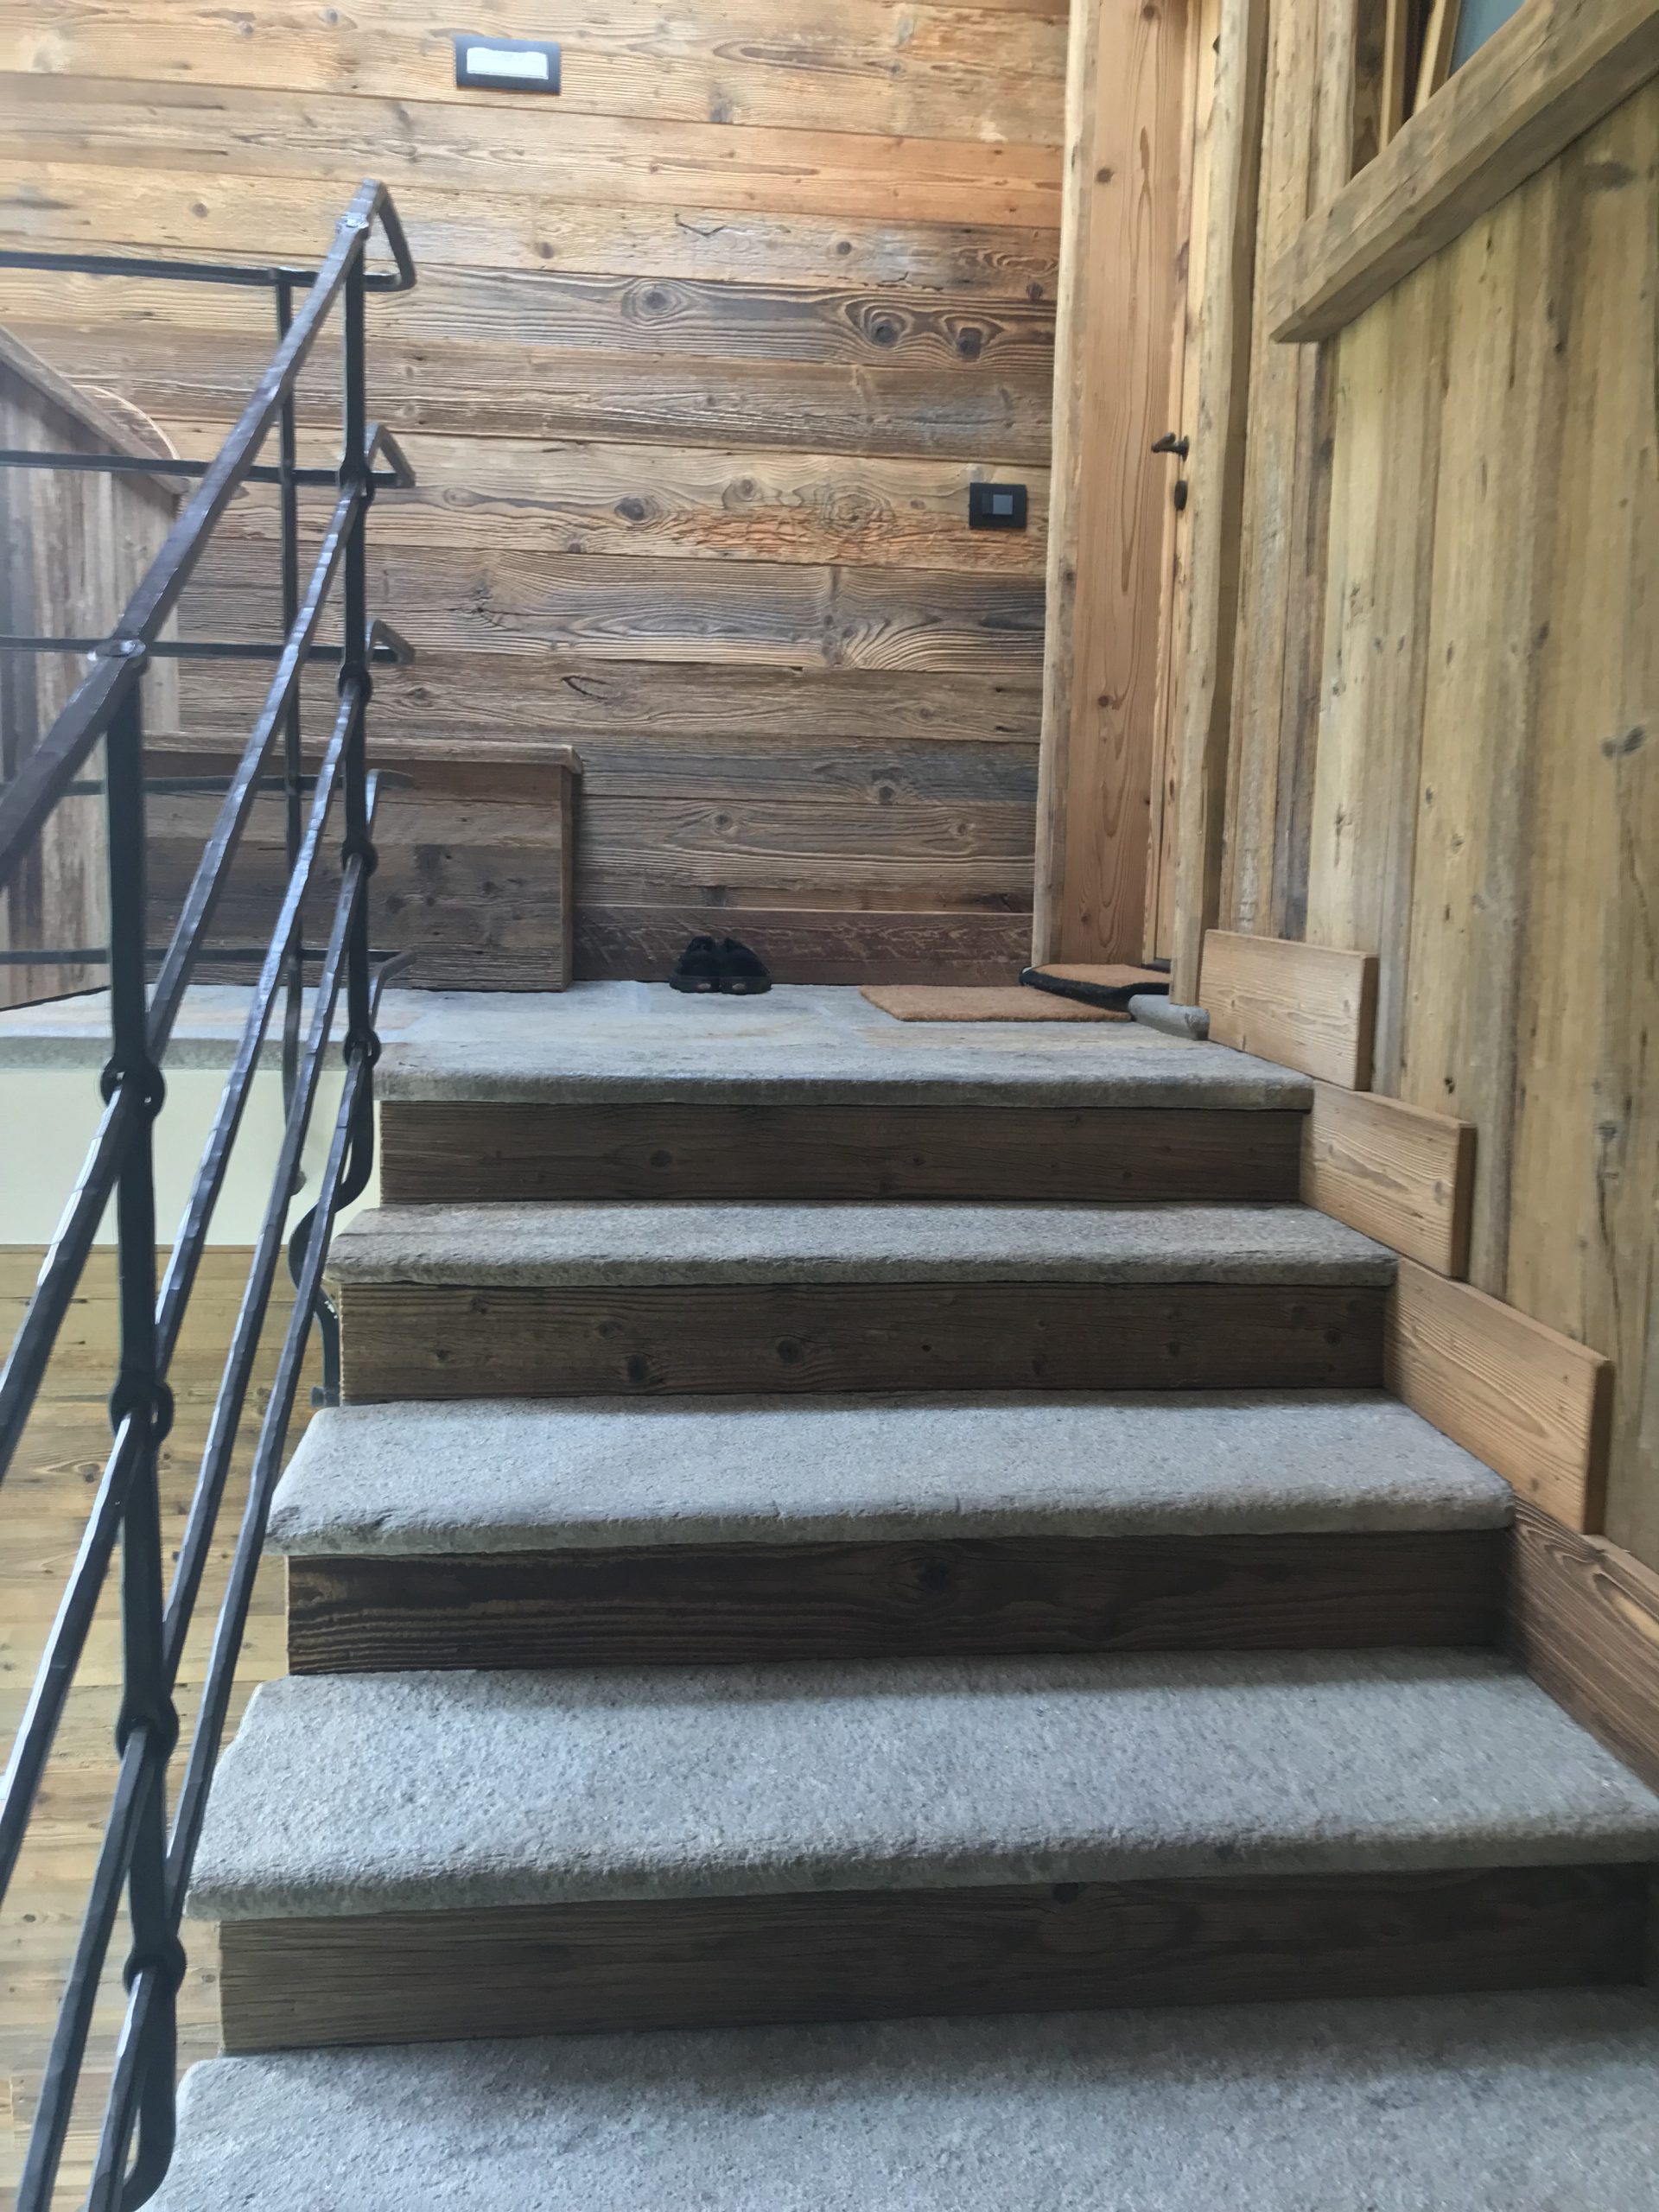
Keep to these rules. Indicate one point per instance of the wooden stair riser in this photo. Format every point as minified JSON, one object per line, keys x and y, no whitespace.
{"x":726,"y":1962}
{"x":720,"y":1604}
{"x":440,"y":1152}
{"x":444,"y":1341}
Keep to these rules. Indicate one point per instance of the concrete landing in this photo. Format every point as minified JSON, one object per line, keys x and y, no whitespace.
{"x":1513,"y":2103}
{"x":800,"y":1043}
{"x":611,"y":1242}
{"x":424,"y":1792}
{"x":509,"y":1475}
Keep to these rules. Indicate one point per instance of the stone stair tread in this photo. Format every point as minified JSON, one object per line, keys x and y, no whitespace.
{"x":503,"y":1475}
{"x":573,"y":1244}
{"x":367,"y":1793}
{"x":799,"y":1045}
{"x":1517,"y":2102}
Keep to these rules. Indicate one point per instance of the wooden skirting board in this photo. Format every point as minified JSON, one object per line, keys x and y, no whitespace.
{"x":729,"y":1605}
{"x":1584,"y":1621}
{"x":1309,"y":1006}
{"x":854,"y":1954}
{"x":1528,"y":1400}
{"x":439,"y":1151}
{"x":1398,"y":1173}
{"x":446,"y":1342}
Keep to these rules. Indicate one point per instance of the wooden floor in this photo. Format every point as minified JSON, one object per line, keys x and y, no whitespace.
{"x":42,"y":1511}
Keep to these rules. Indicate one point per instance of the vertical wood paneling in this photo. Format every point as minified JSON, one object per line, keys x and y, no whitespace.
{"x":1107,"y":538}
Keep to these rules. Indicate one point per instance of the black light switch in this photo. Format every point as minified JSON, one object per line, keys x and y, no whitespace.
{"x":505,"y":65}
{"x":996,"y":506}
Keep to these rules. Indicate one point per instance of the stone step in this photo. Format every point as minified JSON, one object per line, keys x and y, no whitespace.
{"x":520,"y":1534}
{"x":1528,"y":2102}
{"x":577,"y":1300}
{"x":399,"y":1857}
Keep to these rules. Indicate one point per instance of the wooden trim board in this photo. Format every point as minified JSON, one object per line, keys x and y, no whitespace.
{"x":1306,"y":1006}
{"x":1398,"y":1173}
{"x":972,"y":1002}
{"x":1528,"y":1400}
{"x":439,"y":1151}
{"x":1556,"y":67}
{"x":422,"y":1976}
{"x":444,"y":1342}
{"x":735,"y":1603}
{"x":1584,"y":1622}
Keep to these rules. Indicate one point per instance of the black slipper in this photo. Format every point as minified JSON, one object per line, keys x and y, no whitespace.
{"x":742,"y":973}
{"x":698,"y":967}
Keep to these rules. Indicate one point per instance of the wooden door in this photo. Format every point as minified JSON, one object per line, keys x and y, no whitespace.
{"x":1183,"y":423}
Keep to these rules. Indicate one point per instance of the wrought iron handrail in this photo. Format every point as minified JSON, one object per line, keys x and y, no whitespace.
{"x":138,"y":1855}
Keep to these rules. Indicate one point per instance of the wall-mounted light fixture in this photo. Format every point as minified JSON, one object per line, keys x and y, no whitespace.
{"x":505,"y":65}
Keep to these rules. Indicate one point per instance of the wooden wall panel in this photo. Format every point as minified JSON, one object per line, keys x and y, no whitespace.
{"x":1483,"y":781}
{"x":704,"y":356}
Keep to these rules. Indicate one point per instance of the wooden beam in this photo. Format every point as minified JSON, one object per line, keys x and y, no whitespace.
{"x":1310,"y":1006}
{"x":657,"y":1962}
{"x":1114,"y":336}
{"x":1392,"y":1171}
{"x":1439,"y":35}
{"x":1217,"y":482}
{"x":1584,"y":1622}
{"x":1554,"y":69}
{"x":1528,"y":1400}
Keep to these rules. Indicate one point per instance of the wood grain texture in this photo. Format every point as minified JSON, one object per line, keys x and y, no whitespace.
{"x":1543,"y":78}
{"x":1584,"y":1622}
{"x":438,"y":1151}
{"x":848,"y":65}
{"x":1528,"y":1400}
{"x":1403,"y":1176}
{"x":760,"y":294}
{"x":1108,"y":550}
{"x":1218,"y":481}
{"x":722,"y":1961}
{"x":719,"y":1605}
{"x":213,"y":212}
{"x":819,"y":942}
{"x":1306,"y":1005}
{"x":408,"y":1341}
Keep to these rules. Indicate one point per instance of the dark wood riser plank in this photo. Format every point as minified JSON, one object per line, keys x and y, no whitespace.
{"x":436,"y":1152}
{"x":427,"y":1341}
{"x":712,"y":1605}
{"x":835,"y":1955}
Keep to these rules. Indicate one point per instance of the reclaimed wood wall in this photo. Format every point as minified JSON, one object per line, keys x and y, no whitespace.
{"x":1445,"y":743}
{"x":73,"y":548}
{"x":704,"y":353}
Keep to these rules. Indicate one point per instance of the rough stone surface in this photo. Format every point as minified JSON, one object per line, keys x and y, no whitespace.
{"x":421,"y":1791}
{"x":511,"y":1475}
{"x":1170,"y":1017}
{"x":797,"y":1044}
{"x":572,"y":1243}
{"x":1516,"y":2103}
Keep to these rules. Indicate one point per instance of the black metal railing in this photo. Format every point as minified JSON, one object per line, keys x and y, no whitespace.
{"x":139,"y":1856}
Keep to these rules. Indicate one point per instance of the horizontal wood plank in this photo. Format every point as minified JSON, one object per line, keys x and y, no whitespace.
{"x":434,"y":1151}
{"x":1525,"y":1399}
{"x":854,"y":1954}
{"x":1402,"y":1175}
{"x":821,"y":944}
{"x":207,"y":212}
{"x":767,"y":613}
{"x":703,"y":711}
{"x":736,"y":1603}
{"x":633,"y":160}
{"x":540,"y":393}
{"x":1584,"y":1622}
{"x":674,"y":501}
{"x":1541,"y":80}
{"x":1306,"y":1006}
{"x":450,"y":1342}
{"x":850,"y":66}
